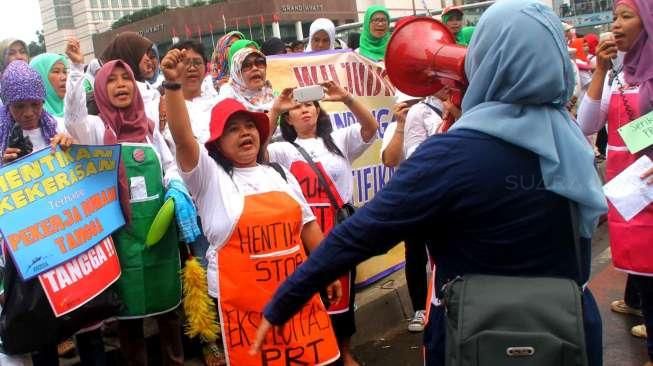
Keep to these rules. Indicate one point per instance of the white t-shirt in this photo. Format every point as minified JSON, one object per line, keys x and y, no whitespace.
{"x":387,"y":137}
{"x":207,"y":86}
{"x":421,"y":122}
{"x":36,"y":135}
{"x":151,"y":99}
{"x":199,"y":112}
{"x":220,"y":199}
{"x":348,"y":140}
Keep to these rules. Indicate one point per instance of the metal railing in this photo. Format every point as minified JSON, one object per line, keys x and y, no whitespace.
{"x":353,"y":26}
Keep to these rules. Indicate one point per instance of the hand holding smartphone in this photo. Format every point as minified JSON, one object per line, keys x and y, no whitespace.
{"x":308,"y":93}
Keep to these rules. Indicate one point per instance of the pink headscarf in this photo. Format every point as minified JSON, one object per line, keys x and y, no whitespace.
{"x":122,"y":125}
{"x":637,"y":62}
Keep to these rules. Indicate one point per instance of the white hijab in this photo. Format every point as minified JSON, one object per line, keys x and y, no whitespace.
{"x":322,"y":24}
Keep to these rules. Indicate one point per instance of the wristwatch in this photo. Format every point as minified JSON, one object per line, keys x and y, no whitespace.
{"x":171,"y":85}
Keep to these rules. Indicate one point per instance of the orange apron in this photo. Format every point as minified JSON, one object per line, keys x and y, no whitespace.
{"x":263,"y":250}
{"x":325,"y":215}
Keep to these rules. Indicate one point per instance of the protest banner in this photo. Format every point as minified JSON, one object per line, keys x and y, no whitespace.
{"x":74,"y":283}
{"x":366,"y":80}
{"x":55,"y":206}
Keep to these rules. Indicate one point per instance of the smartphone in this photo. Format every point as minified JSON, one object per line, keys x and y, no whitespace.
{"x":308,"y":93}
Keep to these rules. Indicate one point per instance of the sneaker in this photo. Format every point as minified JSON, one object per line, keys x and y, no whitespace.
{"x":416,"y":324}
{"x":639,"y":331}
{"x":619,"y":306}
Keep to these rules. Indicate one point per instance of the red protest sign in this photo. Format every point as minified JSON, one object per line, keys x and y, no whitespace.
{"x":76,"y":282}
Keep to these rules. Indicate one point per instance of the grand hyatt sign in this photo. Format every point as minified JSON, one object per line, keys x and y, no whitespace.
{"x":152,"y":29}
{"x":302,"y":8}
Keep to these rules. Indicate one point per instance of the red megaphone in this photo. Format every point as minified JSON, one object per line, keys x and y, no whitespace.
{"x":422,"y":57}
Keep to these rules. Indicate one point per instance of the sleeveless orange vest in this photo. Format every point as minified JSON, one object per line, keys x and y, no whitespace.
{"x":264,"y":249}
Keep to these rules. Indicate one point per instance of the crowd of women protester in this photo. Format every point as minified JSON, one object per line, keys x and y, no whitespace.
{"x":259,"y":178}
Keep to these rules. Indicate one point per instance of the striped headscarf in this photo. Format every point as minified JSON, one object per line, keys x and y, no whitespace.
{"x":220,"y":58}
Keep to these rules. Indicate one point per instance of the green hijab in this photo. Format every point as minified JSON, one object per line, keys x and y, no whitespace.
{"x":239,"y":45}
{"x":370,"y":46}
{"x":465,"y":36}
{"x":43,"y":63}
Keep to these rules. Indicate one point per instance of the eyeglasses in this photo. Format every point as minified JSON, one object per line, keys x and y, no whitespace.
{"x":194,"y":62}
{"x":259,"y":62}
{"x":379,"y":20}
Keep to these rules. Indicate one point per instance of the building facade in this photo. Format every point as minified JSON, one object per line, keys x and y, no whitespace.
{"x":82,"y":18}
{"x":586,"y":15}
{"x":257,"y":19}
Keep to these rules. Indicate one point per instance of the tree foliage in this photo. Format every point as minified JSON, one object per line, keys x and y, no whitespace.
{"x":37,"y":48}
{"x":139,"y":15}
{"x":146,"y":13}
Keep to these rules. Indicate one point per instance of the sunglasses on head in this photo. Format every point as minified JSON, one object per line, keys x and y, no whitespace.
{"x":249,"y":63}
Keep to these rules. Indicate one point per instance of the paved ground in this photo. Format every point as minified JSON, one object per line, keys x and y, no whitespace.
{"x":383,"y":308}
{"x":399,"y":347}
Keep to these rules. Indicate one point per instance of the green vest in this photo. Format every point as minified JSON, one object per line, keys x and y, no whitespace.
{"x":150,"y":282}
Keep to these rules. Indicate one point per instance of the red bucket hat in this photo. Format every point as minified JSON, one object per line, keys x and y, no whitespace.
{"x":226,"y":108}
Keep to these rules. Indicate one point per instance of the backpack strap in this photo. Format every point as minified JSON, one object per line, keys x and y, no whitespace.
{"x":434,"y":108}
{"x":279,"y":169}
{"x":320,"y":177}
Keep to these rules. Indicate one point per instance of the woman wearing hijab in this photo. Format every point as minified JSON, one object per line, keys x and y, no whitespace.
{"x":27,"y":126}
{"x":240,"y":197}
{"x":24,"y":125}
{"x":514,"y":126}
{"x":248,"y":83}
{"x":220,"y":58}
{"x":584,"y":68}
{"x":150,"y":285}
{"x":616,"y":97}
{"x":53,"y":69}
{"x":452,"y":17}
{"x":136,"y":51}
{"x":157,"y":78}
{"x":375,"y":34}
{"x":322,"y":36}
{"x":12,"y":49}
{"x":89,"y":75}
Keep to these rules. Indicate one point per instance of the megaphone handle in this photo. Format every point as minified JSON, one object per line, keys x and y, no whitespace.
{"x":448,"y":121}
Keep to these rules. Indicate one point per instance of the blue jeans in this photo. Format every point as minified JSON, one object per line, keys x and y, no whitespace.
{"x":435,"y":333}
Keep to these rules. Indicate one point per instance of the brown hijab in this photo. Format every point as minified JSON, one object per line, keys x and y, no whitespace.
{"x":122,"y":125}
{"x":129,"y":47}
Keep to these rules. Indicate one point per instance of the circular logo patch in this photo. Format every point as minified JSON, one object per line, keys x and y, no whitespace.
{"x":139,"y":155}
